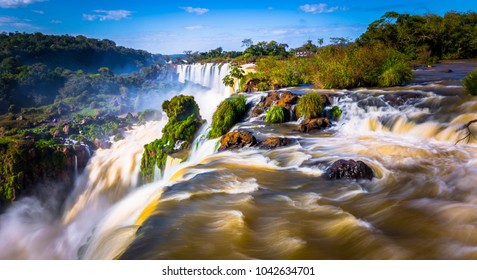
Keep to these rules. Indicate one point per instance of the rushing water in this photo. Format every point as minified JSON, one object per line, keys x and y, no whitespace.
{"x":275,"y":204}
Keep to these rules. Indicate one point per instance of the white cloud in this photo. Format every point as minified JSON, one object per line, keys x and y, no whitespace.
{"x":199,"y":11}
{"x":321,"y":8}
{"x":6,"y":19}
{"x":194,"y":27}
{"x":15,"y":23}
{"x":17,"y":3}
{"x":55,"y":21}
{"x":40,"y":12}
{"x":103,"y":15}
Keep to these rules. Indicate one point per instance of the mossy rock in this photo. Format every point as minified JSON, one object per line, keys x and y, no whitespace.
{"x":184,"y":122}
{"x":228,"y":113}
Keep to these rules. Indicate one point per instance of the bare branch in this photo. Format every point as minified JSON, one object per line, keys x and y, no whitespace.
{"x":469,"y":132}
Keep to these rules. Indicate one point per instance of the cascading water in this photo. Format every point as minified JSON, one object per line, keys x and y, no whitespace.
{"x":276,"y":204}
{"x":209,"y":75}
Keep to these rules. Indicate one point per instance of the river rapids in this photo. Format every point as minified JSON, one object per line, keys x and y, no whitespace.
{"x":276,"y":204}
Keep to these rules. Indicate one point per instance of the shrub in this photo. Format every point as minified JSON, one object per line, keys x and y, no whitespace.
{"x":336,"y":112}
{"x":470,"y":83}
{"x":395,"y":72}
{"x":310,"y":105}
{"x":356,"y":66}
{"x":228,"y":113}
{"x":277,"y":114}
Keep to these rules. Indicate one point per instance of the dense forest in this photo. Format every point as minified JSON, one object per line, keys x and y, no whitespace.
{"x":54,"y":89}
{"x":40,"y":70}
{"x":452,"y":36}
{"x":73,"y":52}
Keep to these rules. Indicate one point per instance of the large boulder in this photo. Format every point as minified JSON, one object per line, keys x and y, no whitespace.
{"x":236,"y":140}
{"x":311,"y":124}
{"x":349,"y":169}
{"x":273,"y":142}
{"x":287,"y":99}
{"x":271,"y":98}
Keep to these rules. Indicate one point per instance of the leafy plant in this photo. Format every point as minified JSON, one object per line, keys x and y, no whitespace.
{"x":310,"y":105}
{"x":336,"y":112}
{"x":277,"y":114}
{"x":236,"y":73}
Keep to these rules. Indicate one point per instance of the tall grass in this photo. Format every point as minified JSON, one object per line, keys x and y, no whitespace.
{"x":335,"y":67}
{"x":310,"y":105}
{"x":470,"y":83}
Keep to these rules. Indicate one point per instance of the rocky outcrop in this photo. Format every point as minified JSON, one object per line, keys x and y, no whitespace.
{"x":240,"y":139}
{"x":236,"y":140}
{"x":285,"y":99}
{"x":273,"y":143}
{"x":177,"y":135}
{"x":102,"y":144}
{"x":312,"y":124}
{"x":349,"y":169}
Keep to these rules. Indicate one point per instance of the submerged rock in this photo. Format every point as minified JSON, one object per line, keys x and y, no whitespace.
{"x":274,"y":142}
{"x":349,"y":169}
{"x":311,"y":124}
{"x":236,"y":140}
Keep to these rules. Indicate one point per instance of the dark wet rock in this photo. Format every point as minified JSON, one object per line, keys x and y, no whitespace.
{"x":271,"y":98}
{"x":83,"y":155}
{"x":236,"y":140}
{"x":258,"y":110}
{"x":328,"y":100}
{"x":66,"y":129}
{"x":311,"y":124}
{"x":273,"y":143}
{"x":447,"y":71}
{"x":102,"y":144}
{"x":349,"y":169}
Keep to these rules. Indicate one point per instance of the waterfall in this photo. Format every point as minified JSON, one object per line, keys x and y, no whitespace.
{"x":76,"y":167}
{"x":208,"y":75}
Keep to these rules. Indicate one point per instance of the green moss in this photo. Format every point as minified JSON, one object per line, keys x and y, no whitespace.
{"x":27,"y":163}
{"x":336,"y":112}
{"x":277,"y":114}
{"x":228,"y":113}
{"x":470,"y":83}
{"x":310,"y":105}
{"x":184,"y":121}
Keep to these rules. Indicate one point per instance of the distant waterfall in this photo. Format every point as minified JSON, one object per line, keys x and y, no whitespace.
{"x":209,"y":75}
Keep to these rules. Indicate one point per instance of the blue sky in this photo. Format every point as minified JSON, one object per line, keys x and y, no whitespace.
{"x":170,"y":27}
